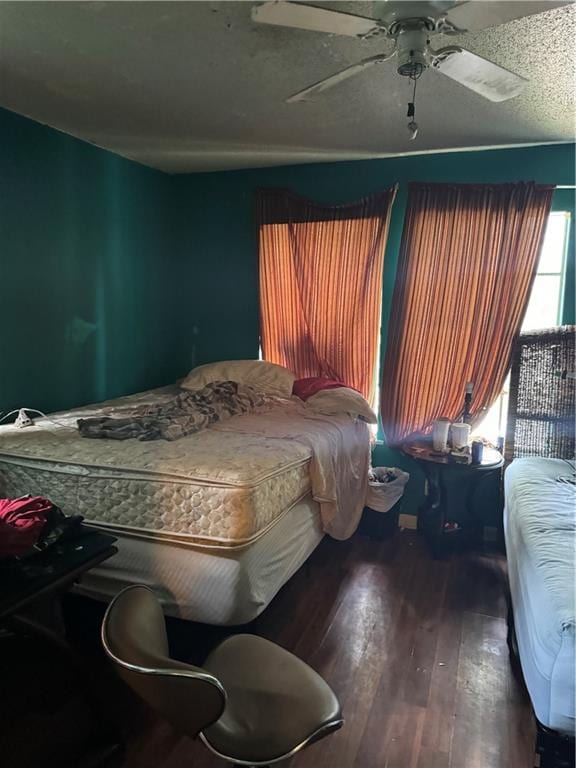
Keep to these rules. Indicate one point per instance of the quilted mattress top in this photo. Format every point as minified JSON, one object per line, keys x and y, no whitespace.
{"x":212,"y":486}
{"x":208,"y":456}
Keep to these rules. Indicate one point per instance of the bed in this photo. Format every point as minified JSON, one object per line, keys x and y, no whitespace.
{"x":216,"y":521}
{"x":540,"y":532}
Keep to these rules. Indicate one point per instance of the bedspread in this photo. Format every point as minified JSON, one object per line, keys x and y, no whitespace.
{"x":340,"y":460}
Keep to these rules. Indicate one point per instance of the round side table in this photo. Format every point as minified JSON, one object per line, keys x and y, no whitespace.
{"x":433,"y":516}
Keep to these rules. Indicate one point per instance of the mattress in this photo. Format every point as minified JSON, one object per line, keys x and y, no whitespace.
{"x":212,"y":488}
{"x":540,"y":529}
{"x":226,"y":587}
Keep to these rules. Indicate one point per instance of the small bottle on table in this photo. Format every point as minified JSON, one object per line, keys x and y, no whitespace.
{"x":466,"y":417}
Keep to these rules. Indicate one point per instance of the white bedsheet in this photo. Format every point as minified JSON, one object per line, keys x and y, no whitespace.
{"x":225,"y":587}
{"x":540,"y":528}
{"x":340,"y":457}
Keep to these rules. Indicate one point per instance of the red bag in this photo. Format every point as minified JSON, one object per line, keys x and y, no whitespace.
{"x":21,"y":523}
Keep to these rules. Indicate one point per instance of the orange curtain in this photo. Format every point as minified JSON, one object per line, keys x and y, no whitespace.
{"x":321,"y":284}
{"x":468,"y":259}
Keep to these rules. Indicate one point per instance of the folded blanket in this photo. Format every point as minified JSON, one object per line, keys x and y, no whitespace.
{"x":186,"y":413}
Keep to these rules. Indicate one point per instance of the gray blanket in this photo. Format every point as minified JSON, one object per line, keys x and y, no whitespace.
{"x":186,"y":413}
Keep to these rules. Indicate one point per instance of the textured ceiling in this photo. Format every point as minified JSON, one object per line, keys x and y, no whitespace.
{"x":193,"y":86}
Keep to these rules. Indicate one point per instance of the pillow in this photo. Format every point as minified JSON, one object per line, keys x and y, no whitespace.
{"x":342,"y":400}
{"x":262,"y":376}
{"x":305,"y":388}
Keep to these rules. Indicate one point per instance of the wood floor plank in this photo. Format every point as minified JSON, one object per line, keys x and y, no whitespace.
{"x":479,"y":585}
{"x":406,"y":679}
{"x":353,"y":653}
{"x":487,"y":700}
{"x":439,"y":720}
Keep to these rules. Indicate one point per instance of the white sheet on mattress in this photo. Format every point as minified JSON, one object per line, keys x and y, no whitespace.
{"x":227,"y":588}
{"x":340,"y":449}
{"x":540,"y":527}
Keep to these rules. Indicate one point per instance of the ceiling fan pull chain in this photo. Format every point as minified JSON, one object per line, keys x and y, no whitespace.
{"x":412,"y":125}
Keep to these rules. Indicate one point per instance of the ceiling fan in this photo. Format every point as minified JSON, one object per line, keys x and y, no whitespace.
{"x":411,"y":25}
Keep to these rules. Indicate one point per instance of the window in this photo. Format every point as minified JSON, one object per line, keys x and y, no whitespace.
{"x":545,"y":305}
{"x":544,"y":308}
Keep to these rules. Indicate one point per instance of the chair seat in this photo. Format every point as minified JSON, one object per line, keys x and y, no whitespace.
{"x":275,"y":701}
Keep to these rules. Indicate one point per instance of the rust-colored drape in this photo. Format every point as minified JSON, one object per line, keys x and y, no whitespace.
{"x":468,"y":258}
{"x":321,"y":284}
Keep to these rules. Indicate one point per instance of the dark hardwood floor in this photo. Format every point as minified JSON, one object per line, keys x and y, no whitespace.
{"x":415,"y":649}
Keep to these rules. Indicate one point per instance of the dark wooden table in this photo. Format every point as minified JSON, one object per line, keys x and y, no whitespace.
{"x":30,"y":609}
{"x":434,"y":519}
{"x":49,"y":573}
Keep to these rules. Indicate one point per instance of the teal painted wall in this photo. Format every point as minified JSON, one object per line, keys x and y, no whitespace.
{"x":86,"y":263}
{"x":217,"y":214}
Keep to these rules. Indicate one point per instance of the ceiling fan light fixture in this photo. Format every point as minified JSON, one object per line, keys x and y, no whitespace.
{"x":413,"y":42}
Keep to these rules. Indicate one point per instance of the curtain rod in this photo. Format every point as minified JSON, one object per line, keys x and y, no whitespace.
{"x":566,"y":186}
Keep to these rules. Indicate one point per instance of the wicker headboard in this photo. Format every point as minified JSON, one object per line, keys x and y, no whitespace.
{"x":542,"y":402}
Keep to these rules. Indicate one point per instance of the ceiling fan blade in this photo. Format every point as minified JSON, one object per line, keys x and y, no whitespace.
{"x":344,"y":74}
{"x":480,"y":75}
{"x":286,"y":14}
{"x":479,"y":14}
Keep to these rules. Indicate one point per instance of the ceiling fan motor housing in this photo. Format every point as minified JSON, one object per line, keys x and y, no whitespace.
{"x":412,"y":40}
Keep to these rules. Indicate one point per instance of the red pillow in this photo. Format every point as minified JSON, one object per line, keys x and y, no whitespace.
{"x":305,"y":388}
